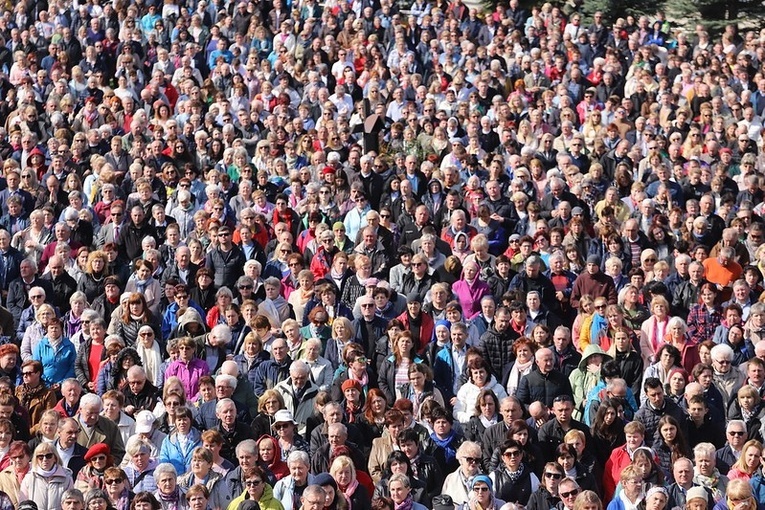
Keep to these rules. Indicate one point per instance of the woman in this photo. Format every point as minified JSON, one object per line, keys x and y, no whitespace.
{"x":177,"y":448}
{"x":172,"y":400}
{"x":704,"y":317}
{"x":47,"y":429}
{"x":676,"y":336}
{"x":399,"y":464}
{"x":670,"y":445}
{"x":34,"y":332}
{"x":343,"y":472}
{"x":135,"y":314}
{"x":524,"y":349}
{"x":675,"y":387}
{"x":188,"y":368}
{"x":607,"y":429}
{"x":394,"y":371}
{"x":48,"y":479}
{"x":91,"y":476}
{"x":470,"y":289}
{"x":98,"y":499}
{"x":738,"y":496}
{"x":630,"y":362}
{"x":143,"y":283}
{"x":268,"y":404}
{"x":270,"y":458}
{"x":400,"y":489}
{"x":114,"y":402}
{"x":514,"y":481}
{"x":479,"y":378}
{"x":372,"y":419}
{"x":168,"y":492}
{"x":420,"y":387}
{"x":201,"y":473}
{"x":546,"y":496}
{"x":91,"y":353}
{"x":748,"y":464}
{"x":275,"y":306}
{"x":654,"y":330}
{"x":150,"y":352}
{"x":96,"y":271}
{"x":32,"y":240}
{"x":631,"y":494}
{"x":321,"y":369}
{"x":342,"y":336}
{"x":667,"y":358}
{"x":257,"y":489}
{"x":251,"y":356}
{"x":566,"y":456}
{"x":11,"y":477}
{"x":117,"y":488}
{"x":116,"y":377}
{"x":73,"y":319}
{"x":586,"y":376}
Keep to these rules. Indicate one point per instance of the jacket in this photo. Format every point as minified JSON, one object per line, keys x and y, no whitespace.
{"x":284,"y":490}
{"x":46,"y":491}
{"x":105,"y":431}
{"x":301,"y":407}
{"x":427,"y":329}
{"x":536,"y":386}
{"x":650,"y":417}
{"x":81,"y":365}
{"x":382,"y":447}
{"x":596,"y":285}
{"x":497,"y":348}
{"x":387,"y":377}
{"x":269,"y":374}
{"x":189,"y":374}
{"x":444,"y":371}
{"x":541,"y":499}
{"x":172,"y":451}
{"x":467,"y":395}
{"x":518,"y":491}
{"x":470,"y":296}
{"x":58,"y":362}
{"x":582,"y":380}
{"x":266,"y":502}
{"x":227,"y":267}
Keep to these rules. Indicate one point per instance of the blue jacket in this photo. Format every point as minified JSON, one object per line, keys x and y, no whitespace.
{"x":58,"y":364}
{"x":443,"y":372}
{"x":171,"y":450}
{"x":170,"y":321}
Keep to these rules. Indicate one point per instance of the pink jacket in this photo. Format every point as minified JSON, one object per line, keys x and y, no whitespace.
{"x":470,"y":296}
{"x":189,"y":374}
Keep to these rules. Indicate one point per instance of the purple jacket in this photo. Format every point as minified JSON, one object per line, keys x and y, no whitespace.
{"x":470,"y":296}
{"x":188,"y":374}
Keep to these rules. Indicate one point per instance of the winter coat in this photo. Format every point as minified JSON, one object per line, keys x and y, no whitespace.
{"x":266,"y":502}
{"x":650,"y":417}
{"x":497,"y":348}
{"x":542,"y":387}
{"x":189,"y":374}
{"x":269,"y":374}
{"x":46,"y":491}
{"x":58,"y":362}
{"x":172,"y":452}
{"x":128,"y":331}
{"x":387,"y":377}
{"x":464,"y":409}
{"x":301,"y":409}
{"x":518,"y":491}
{"x":582,"y":380}
{"x":470,"y":296}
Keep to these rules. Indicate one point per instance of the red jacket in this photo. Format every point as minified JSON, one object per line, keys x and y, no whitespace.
{"x":618,"y":460}
{"x":427,"y":328}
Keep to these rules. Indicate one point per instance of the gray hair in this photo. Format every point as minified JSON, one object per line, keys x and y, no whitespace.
{"x":225,"y":378}
{"x":247,"y":446}
{"x":222,"y":331}
{"x":706,"y":449}
{"x":299,"y":366}
{"x":721,"y":351}
{"x":299,"y":456}
{"x":165,"y":468}
{"x":400,"y":477}
{"x":223,"y":402}
{"x":90,"y":400}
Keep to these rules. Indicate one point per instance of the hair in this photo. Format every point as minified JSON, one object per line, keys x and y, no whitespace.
{"x":586,"y":498}
{"x":741,"y":462}
{"x":373,"y":394}
{"x":679,"y":446}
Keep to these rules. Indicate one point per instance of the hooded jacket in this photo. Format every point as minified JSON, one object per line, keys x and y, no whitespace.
{"x":46,"y":491}
{"x":583,"y":381}
{"x":302,"y":406}
{"x":277,"y":469}
{"x":266,"y":502}
{"x":173,"y":452}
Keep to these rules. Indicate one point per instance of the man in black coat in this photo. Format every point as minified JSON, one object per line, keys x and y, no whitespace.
{"x":129,"y":243}
{"x":18,"y":290}
{"x":656,"y":406}
{"x":61,"y":282}
{"x":226,"y":261}
{"x":551,"y":433}
{"x":232,"y":430}
{"x":140,"y":394}
{"x":74,"y":455}
{"x":543,"y":383}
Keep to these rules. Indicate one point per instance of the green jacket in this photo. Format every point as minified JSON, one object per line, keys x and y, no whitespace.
{"x":266,"y":501}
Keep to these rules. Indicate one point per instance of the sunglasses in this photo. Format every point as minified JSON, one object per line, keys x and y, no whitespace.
{"x":554,"y":476}
{"x":253,"y":483}
{"x":570,"y":494}
{"x":99,"y":458}
{"x":45,"y":456}
{"x":113,"y":481}
{"x":472,"y":460}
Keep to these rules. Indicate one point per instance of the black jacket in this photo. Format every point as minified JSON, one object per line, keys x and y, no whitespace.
{"x":518,"y":491}
{"x":536,"y":386}
{"x":63,"y":287}
{"x":231,"y":439}
{"x":227,"y":267}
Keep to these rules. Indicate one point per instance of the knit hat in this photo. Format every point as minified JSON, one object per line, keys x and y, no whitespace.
{"x":696,"y":493}
{"x":96,"y":450}
{"x":349,"y":383}
{"x":593,"y":259}
{"x":443,"y":323}
{"x":338,"y":224}
{"x":482,"y":478}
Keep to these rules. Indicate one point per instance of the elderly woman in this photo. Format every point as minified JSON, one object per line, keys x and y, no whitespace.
{"x":268,"y":404}
{"x":342,"y":335}
{"x":36,"y":330}
{"x":140,"y":470}
{"x":524,"y":349}
{"x":32,"y":240}
{"x":632,"y":492}
{"x":201,"y":472}
{"x":470,"y":289}
{"x":48,"y":479}
{"x":275,"y":305}
{"x":168,"y":492}
{"x":678,"y":338}
{"x":12,"y":476}
{"x":469,"y":458}
{"x":299,"y":478}
{"x":256,"y":489}
{"x":343,"y":472}
{"x":654,"y":330}
{"x":251,"y":356}
{"x":479,"y":378}
{"x":188,"y":368}
{"x":150,"y":352}
{"x":114,"y":403}
{"x":117,"y":488}
{"x":321,"y":369}
{"x":216,"y":315}
{"x":705,"y":473}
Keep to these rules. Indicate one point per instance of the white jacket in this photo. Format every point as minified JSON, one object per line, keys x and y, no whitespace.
{"x":464,"y":409}
{"x":46,"y":491}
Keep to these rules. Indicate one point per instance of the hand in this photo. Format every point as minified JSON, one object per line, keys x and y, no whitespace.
{"x":453,"y":401}
{"x":92,"y":386}
{"x":129,"y":410}
{"x":560,"y":296}
{"x":593,"y":369}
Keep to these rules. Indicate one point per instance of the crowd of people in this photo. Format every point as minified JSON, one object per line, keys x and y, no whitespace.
{"x":289,"y":255}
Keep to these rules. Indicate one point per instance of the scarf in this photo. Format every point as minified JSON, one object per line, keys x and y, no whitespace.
{"x":450,"y":453}
{"x":515,"y":475}
{"x":487,"y":422}
{"x":709,"y":482}
{"x":348,"y":492}
{"x":629,"y":505}
{"x":407,"y":504}
{"x":170,"y":501}
{"x":40,"y":471}
{"x":152,"y":361}
{"x":140,"y":286}
{"x":28,"y":394}
{"x":72,"y":325}
{"x":364,"y":381}
{"x":518,"y":328}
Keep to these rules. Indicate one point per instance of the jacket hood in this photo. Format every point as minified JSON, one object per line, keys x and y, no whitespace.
{"x":277,"y":451}
{"x":35,"y":152}
{"x":590,"y":351}
{"x":189,"y":316}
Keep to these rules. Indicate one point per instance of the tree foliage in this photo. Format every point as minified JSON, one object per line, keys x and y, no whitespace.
{"x":715,"y":14}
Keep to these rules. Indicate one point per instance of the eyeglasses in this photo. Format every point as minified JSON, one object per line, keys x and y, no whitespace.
{"x":99,"y":458}
{"x":245,"y":287}
{"x":253,"y":483}
{"x":480,"y":489}
{"x":145,"y":334}
{"x":512,"y":453}
{"x":736,"y":433}
{"x":367,"y":305}
{"x":224,"y":234}
{"x":44,"y":456}
{"x":112,"y":481}
{"x":279,"y":426}
{"x":37,"y":296}
{"x":182,"y":296}
{"x":569,"y":494}
{"x":554,"y":476}
{"x":24,"y":374}
{"x":722,"y":362}
{"x":472,"y":460}
{"x":650,"y":260}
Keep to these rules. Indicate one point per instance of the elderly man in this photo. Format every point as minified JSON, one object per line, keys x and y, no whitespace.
{"x":456,"y":484}
{"x":232,"y":430}
{"x":288,"y":490}
{"x":705,"y":473}
{"x":243,"y":392}
{"x":723,"y":270}
{"x":680,"y":492}
{"x":140,"y":395}
{"x":95,"y":428}
{"x":531,"y":278}
{"x":72,"y":500}
{"x":725,"y":457}
{"x":299,"y":392}
{"x":337,"y":444}
{"x":225,"y":387}
{"x":232,"y":484}
{"x":543,"y":383}
{"x":726,"y":378}
{"x":70,"y":403}
{"x":72,"y":454}
{"x":273,"y":371}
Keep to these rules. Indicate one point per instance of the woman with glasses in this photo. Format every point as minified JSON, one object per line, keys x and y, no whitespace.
{"x":177,"y":448}
{"x":11,"y":477}
{"x":34,"y":331}
{"x":91,"y":476}
{"x":546,"y":496}
{"x":48,"y":479}
{"x":257,"y":489}
{"x":513,"y":479}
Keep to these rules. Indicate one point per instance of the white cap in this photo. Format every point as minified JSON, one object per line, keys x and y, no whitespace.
{"x":144,"y":422}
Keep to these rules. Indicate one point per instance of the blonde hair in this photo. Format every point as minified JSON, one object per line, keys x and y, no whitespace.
{"x":340,"y":463}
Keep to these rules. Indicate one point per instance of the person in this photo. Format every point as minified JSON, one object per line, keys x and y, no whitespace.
{"x":12,"y":476}
{"x":91,"y":476}
{"x":749,"y":462}
{"x":139,"y":471}
{"x":547,"y":495}
{"x":256,"y":489}
{"x":706,"y":474}
{"x":543,"y":383}
{"x":95,"y":428}
{"x":295,"y":485}
{"x":479,"y":379}
{"x":740,"y":492}
{"x":178,"y":447}
{"x":400,"y":488}
{"x":33,"y":394}
{"x":47,"y":480}
{"x":168,"y":492}
{"x":514,"y":481}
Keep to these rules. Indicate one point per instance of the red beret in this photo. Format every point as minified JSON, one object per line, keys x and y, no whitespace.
{"x":97,"y":449}
{"x":349,"y":383}
{"x":327,"y":170}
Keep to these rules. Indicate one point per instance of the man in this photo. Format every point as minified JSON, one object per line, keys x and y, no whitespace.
{"x":140,"y":395}
{"x":18,"y":290}
{"x":543,"y":383}
{"x":232,"y":430}
{"x":593,"y":283}
{"x":337,"y":444}
{"x":497,"y":342}
{"x":736,"y":435}
{"x":532,"y":279}
{"x":72,"y":500}
{"x":243,"y":388}
{"x":95,"y":428}
{"x":225,"y":386}
{"x":568,"y":490}
{"x":68,"y":406}
{"x":129,"y":244}
{"x":272,"y":372}
{"x":551,"y":433}
{"x":109,"y":301}
{"x":369,"y":327}
{"x":299,"y":392}
{"x":511,"y":409}
{"x":699,"y":422}
{"x":726,"y":378}
{"x":723,"y":270}
{"x":71,"y":453}
{"x":684,"y":490}
{"x":566,"y":357}
{"x":226,"y":261}
{"x":10,"y":262}
{"x":656,"y":406}
{"x":449,"y":364}
{"x":61,"y":283}
{"x":112,"y":230}
{"x":686,"y":293}
{"x":425,"y":468}
{"x":413,"y":231}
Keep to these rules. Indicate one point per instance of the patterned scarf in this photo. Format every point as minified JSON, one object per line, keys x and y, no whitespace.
{"x":171,"y":501}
